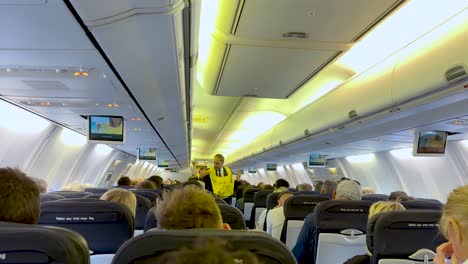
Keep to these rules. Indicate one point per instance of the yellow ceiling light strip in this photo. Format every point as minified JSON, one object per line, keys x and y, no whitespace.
{"x":411,"y":21}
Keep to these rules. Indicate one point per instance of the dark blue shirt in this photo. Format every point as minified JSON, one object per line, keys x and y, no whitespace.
{"x":304,"y":250}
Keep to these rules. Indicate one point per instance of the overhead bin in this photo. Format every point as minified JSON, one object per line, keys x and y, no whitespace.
{"x":144,"y":41}
{"x":400,"y":82}
{"x":269,"y":49}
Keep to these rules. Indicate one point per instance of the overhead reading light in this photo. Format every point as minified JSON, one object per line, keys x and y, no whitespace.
{"x":460,"y":122}
{"x":46,"y":104}
{"x":361,"y":158}
{"x":135,"y":119}
{"x":112,"y":105}
{"x":81,"y":73}
{"x":137,"y":129}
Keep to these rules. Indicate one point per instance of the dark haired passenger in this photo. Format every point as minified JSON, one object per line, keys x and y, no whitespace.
{"x":124,"y":181}
{"x":281,"y":183}
{"x":157,"y":180}
{"x":318,"y":185}
{"x":146,"y":185}
{"x":394,"y":195}
{"x":304,"y":248}
{"x":19,"y":197}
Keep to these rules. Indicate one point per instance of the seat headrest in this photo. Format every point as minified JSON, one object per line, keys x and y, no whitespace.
{"x":232,"y":216}
{"x":150,"y":195}
{"x":272,"y":200}
{"x":48,"y":197}
{"x":309,"y":193}
{"x":336,"y":215}
{"x":97,"y":190}
{"x":260,"y":198}
{"x":105,"y":225}
{"x":147,"y":247}
{"x":299,"y":206}
{"x":21,"y":243}
{"x":93,"y":196}
{"x":219,"y":200}
{"x":143,"y":206}
{"x":423,"y":205}
{"x":250,"y":194}
{"x":150,"y":219}
{"x":375,"y":197}
{"x":399,"y":234}
{"x":68,"y":194}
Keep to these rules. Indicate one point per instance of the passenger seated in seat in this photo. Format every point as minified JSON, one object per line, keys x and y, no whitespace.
{"x":19,"y":197}
{"x":305,"y":187}
{"x":328,"y":188}
{"x":208,"y":251}
{"x":157,"y":180}
{"x":275,"y":218}
{"x":404,"y":198}
{"x":124,"y":181}
{"x":318,"y":185}
{"x":304,"y":248}
{"x":378,"y":207}
{"x":121,"y":196}
{"x":394,"y":195}
{"x":268,"y":187}
{"x":454,"y":225}
{"x":368,"y":190}
{"x":146,"y":185}
{"x":189,"y":208}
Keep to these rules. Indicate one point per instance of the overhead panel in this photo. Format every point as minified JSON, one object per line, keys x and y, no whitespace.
{"x":278,"y":46}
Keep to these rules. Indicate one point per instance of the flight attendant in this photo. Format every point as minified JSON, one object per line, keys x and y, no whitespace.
{"x":219,"y":178}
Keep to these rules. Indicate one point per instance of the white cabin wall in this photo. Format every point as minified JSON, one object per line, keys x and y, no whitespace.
{"x":423,"y":177}
{"x":144,"y":169}
{"x":44,"y":150}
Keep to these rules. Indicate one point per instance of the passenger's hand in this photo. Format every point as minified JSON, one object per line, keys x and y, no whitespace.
{"x":444,"y":251}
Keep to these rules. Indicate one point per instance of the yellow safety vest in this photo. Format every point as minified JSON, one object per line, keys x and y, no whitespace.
{"x":223,"y":186}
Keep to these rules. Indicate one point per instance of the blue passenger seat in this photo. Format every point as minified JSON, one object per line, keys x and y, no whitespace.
{"x":97,"y":190}
{"x":258,"y":206}
{"x":48,"y":197}
{"x":340,"y":226}
{"x":105,"y":225}
{"x":423,"y":205}
{"x":69,"y":194}
{"x":148,"y":247}
{"x":21,"y":243}
{"x":404,"y":236}
{"x":375,"y":197}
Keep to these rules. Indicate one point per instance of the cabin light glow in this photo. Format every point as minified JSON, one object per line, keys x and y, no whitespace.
{"x":72,"y":138}
{"x":361,"y":158}
{"x":252,"y":127}
{"x":465,"y":142}
{"x":103,"y":149}
{"x":398,"y":30}
{"x":404,"y":153}
{"x":19,"y":120}
{"x":323,"y":90}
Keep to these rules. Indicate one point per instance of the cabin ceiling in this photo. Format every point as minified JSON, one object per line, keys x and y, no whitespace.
{"x":255,"y":75}
{"x":42,"y":45}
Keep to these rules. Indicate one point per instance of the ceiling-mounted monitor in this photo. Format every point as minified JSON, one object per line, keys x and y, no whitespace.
{"x":147,"y":153}
{"x":430,"y":143}
{"x":252,"y":170}
{"x":316,"y":160}
{"x":163,"y":163}
{"x":271,"y":166}
{"x":106,"y":129}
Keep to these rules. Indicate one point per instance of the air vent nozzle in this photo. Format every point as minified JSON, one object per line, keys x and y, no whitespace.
{"x":455,"y":73}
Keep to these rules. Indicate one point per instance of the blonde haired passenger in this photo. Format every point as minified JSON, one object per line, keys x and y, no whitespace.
{"x":376,"y":208}
{"x":121,"y":196}
{"x":454,"y":225}
{"x":368,"y":190}
{"x":189,"y":208}
{"x":73,"y":187}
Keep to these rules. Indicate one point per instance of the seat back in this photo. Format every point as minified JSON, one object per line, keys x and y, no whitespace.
{"x":249,"y":202}
{"x":93,"y":196}
{"x":48,"y":197}
{"x":104,"y":225}
{"x":143,"y":206}
{"x":150,"y":219}
{"x":232,"y":216}
{"x":272,"y":200}
{"x":258,"y":206}
{"x":340,"y":226}
{"x":399,"y":234}
{"x":220,"y":201}
{"x":147,"y":248}
{"x":375,"y":197}
{"x":295,"y":209}
{"x":21,"y":243}
{"x":423,"y":205}
{"x":150,"y":195}
{"x":97,"y":190}
{"x":68,"y":194}
{"x":309,"y":193}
